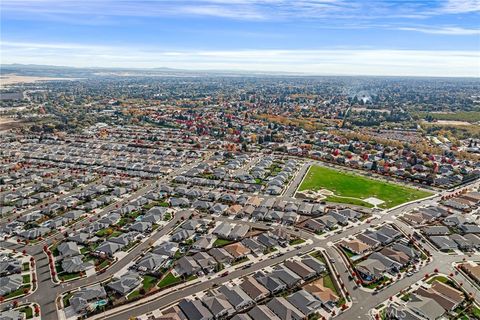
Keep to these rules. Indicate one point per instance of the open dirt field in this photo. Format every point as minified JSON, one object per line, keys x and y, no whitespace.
{"x":8,"y":79}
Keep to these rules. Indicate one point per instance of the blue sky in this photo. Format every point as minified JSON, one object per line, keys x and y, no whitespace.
{"x":373,"y":37}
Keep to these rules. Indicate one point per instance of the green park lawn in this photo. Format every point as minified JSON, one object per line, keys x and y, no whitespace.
{"x":344,"y":184}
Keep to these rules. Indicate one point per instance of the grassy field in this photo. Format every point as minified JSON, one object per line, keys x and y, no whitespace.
{"x":344,"y":184}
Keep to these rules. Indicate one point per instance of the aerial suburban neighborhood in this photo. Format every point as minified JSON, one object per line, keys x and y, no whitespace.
{"x":239,"y":160}
{"x":227,"y":211}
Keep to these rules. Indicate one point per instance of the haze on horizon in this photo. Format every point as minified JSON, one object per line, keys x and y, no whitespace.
{"x":318,"y":37}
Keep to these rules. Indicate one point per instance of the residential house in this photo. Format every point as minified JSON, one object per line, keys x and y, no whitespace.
{"x":68,"y":249}
{"x":355,"y":246}
{"x":238,"y":232}
{"x":237,"y":250}
{"x":81,"y":300}
{"x":254,"y":289}
{"x":301,"y":269}
{"x":436,"y":231}
{"x":125,"y":284}
{"x":221,"y":255}
{"x":219,"y":306}
{"x":75,"y":264}
{"x":397,"y":256}
{"x":222,"y":230}
{"x":187,"y":266}
{"x":314,"y":264}
{"x":204,"y":242}
{"x":254,"y":245}
{"x":9,"y":265}
{"x":166,"y":248}
{"x":271,"y":283}
{"x":108,"y":248}
{"x":462,"y":242}
{"x":194,"y":310}
{"x":305,"y":302}
{"x":262,"y":312}
{"x":444,"y":243}
{"x":284,"y":309}
{"x":141,"y":227}
{"x":10,"y":283}
{"x":425,"y":307}
{"x":151,"y":262}
{"x":205,"y":261}
{"x":326,"y":295}
{"x":315,"y":225}
{"x":236,"y":297}
{"x":290,"y":278}
{"x":446,"y":296}
{"x":181,"y":235}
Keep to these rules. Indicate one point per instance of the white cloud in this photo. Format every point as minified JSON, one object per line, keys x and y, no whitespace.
{"x":461,"y":6}
{"x":318,"y":62}
{"x":443,"y":30}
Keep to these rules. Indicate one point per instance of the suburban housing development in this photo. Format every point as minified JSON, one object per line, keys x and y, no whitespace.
{"x":239,"y":160}
{"x":235,"y":209}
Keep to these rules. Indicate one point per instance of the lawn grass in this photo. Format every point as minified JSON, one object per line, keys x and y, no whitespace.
{"x":318,"y":255}
{"x":344,"y":184}
{"x":66,"y":300}
{"x":103,"y":264}
{"x":221,"y":242}
{"x":354,"y":202}
{"x":406,"y":297}
{"x":192,"y":277}
{"x":18,"y":292}
{"x":348,"y":252}
{"x":441,"y":279}
{"x":242,"y":260}
{"x":115,"y":233}
{"x":28,"y":312}
{"x":149,"y":282}
{"x":476,"y":312}
{"x":26,"y":279}
{"x":133,"y":294}
{"x":296,"y":241}
{"x":69,"y":276}
{"x":375,"y":284}
{"x":269,"y":250}
{"x":169,"y":280}
{"x":328,"y":283}
{"x":25,"y":266}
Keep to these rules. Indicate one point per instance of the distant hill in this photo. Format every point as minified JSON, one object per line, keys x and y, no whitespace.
{"x":73,"y":72}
